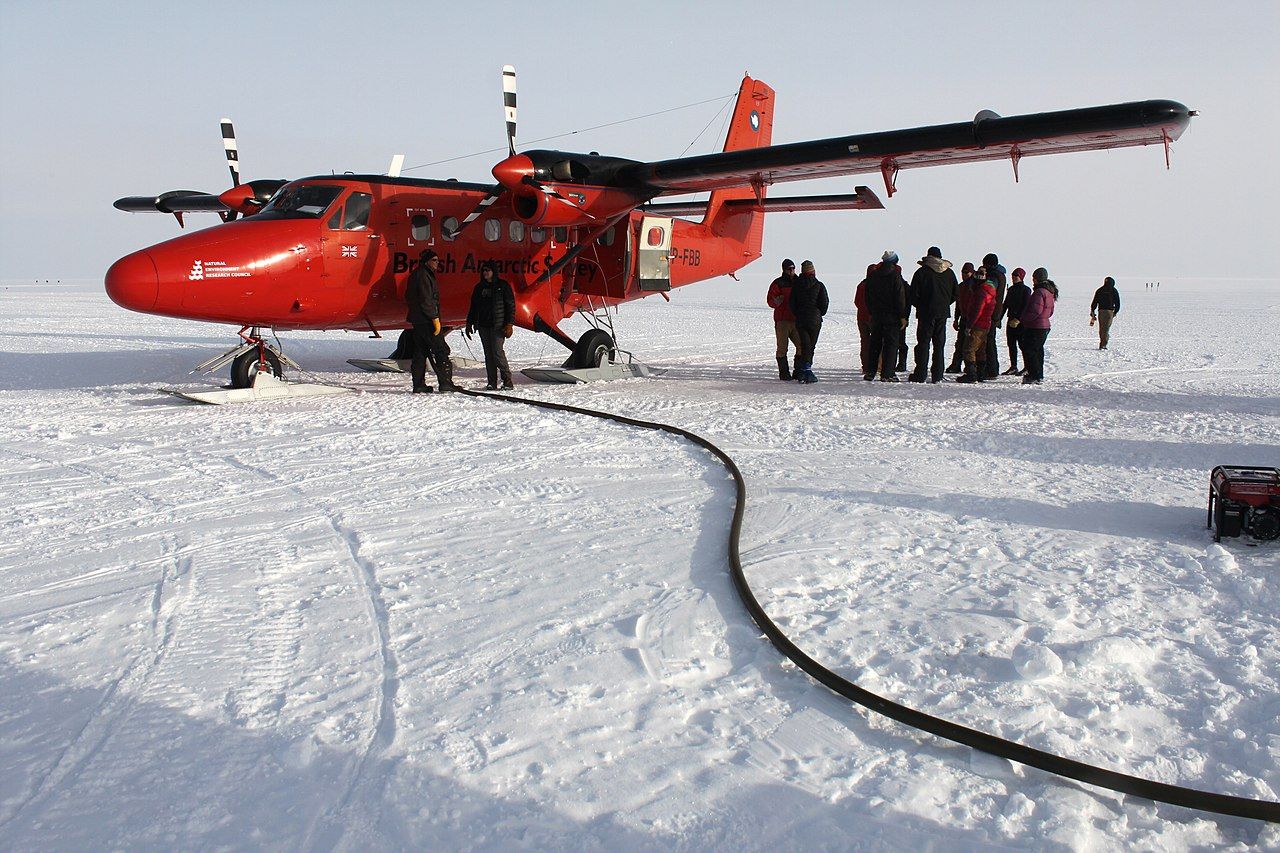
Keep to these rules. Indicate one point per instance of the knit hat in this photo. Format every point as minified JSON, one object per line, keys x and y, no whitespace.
{"x":990,"y":260}
{"x":788,"y":264}
{"x":1040,"y":276}
{"x":427,"y":254}
{"x":1109,"y":282}
{"x":968,"y":267}
{"x":1019,"y":273}
{"x":935,"y":252}
{"x":807,"y":266}
{"x":889,"y":257}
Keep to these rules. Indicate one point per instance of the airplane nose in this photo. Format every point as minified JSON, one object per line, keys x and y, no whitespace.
{"x":133,"y":283}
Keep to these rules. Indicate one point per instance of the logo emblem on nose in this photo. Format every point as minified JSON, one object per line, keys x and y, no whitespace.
{"x":197,"y":271}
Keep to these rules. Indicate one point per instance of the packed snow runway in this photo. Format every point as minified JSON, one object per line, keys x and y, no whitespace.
{"x":386,"y":621}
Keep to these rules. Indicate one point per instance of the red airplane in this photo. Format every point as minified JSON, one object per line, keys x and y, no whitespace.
{"x":573,"y":233}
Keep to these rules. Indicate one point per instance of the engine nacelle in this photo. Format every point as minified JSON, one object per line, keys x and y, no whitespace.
{"x":248,"y":198}
{"x":575,"y":206}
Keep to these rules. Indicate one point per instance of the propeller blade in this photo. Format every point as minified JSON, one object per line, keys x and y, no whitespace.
{"x":233,"y":153}
{"x":494,"y":192}
{"x":509,"y":103}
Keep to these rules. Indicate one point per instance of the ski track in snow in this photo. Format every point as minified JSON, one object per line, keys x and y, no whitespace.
{"x":389,"y":622}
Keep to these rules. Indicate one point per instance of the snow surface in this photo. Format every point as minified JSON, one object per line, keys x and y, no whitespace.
{"x":389,"y":621}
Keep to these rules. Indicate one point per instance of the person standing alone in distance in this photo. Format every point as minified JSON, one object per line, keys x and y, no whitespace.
{"x":1105,"y":307}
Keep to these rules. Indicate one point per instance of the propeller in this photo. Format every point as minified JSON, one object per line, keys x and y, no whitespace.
{"x":233,"y":159}
{"x":516,"y":173}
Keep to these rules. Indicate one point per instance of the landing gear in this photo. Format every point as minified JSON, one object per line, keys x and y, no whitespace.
{"x":594,"y":349}
{"x":245,"y":367}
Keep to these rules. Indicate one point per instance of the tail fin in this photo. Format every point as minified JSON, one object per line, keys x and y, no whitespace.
{"x":750,"y":127}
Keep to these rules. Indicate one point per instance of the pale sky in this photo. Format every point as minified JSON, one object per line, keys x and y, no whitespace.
{"x":102,"y":100}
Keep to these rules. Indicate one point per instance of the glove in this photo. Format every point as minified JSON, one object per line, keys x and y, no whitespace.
{"x":1092,"y":319}
{"x":997,"y":325}
{"x":467,"y":331}
{"x":904,"y":322}
{"x":508,"y":330}
{"x":1013,"y":324}
{"x":435,"y":325}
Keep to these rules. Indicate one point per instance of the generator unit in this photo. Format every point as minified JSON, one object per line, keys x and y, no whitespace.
{"x":1244,"y":500}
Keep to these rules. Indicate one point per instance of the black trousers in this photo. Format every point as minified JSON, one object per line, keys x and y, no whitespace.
{"x":1032,"y":342}
{"x":993,"y":353}
{"x":427,"y":345}
{"x":808,"y":333}
{"x":903,"y":349}
{"x":962,"y":335}
{"x":1011,"y":338}
{"x":495,"y":356}
{"x":931,"y":332}
{"x":885,"y":335}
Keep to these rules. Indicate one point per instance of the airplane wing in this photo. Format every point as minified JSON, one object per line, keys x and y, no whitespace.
{"x":987,"y":137}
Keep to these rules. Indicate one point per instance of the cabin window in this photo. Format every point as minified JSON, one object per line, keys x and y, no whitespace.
{"x":356,"y":213}
{"x":335,"y":221}
{"x":493,"y":230}
{"x":516,"y":231}
{"x":449,"y":227}
{"x":562,"y":234}
{"x":420,"y":228}
{"x":538,"y":235}
{"x":655,"y":235}
{"x":607,"y":238}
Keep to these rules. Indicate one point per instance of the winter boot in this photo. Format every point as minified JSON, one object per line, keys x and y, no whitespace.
{"x":970,"y":373}
{"x":783,"y":373}
{"x":954,"y":367}
{"x":444,"y":375}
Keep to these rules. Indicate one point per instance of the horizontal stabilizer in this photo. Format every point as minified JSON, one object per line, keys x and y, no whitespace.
{"x":861,"y":199}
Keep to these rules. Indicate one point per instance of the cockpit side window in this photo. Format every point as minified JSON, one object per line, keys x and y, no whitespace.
{"x":356,"y":216}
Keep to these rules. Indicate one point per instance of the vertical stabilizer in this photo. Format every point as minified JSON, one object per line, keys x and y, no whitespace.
{"x":750,"y":127}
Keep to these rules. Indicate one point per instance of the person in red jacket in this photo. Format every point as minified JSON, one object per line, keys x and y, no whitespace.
{"x":979,"y":311}
{"x":784,"y":321}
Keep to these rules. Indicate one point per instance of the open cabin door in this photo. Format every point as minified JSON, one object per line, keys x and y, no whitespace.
{"x":654,"y":254}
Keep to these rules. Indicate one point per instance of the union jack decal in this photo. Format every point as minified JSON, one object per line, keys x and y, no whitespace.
{"x":350,"y":252}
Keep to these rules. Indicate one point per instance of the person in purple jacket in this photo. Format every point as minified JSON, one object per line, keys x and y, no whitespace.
{"x":1033,"y":325}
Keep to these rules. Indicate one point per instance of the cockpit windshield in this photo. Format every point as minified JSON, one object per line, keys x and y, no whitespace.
{"x":307,"y":201}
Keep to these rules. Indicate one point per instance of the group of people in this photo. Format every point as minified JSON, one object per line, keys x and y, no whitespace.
{"x":984,"y":302}
{"x":491,"y":315}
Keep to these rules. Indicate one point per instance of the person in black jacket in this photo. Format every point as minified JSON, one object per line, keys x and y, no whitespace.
{"x":423,"y":295}
{"x":1014,"y":301}
{"x":492,"y":313}
{"x":886,"y":294}
{"x":962,"y":330}
{"x":995,"y":275}
{"x":933,"y":290}
{"x":809,"y":303}
{"x":1104,"y":308}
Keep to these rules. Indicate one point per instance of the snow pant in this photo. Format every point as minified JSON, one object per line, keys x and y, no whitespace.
{"x":495,"y":356}
{"x":993,"y":355}
{"x":1032,"y":341}
{"x":1011,"y":338}
{"x":930,"y":332}
{"x":429,"y":346}
{"x":785,"y":332}
{"x":885,"y":335}
{"x":868,"y":357}
{"x":962,"y":339}
{"x":1105,"y":317}
{"x":975,"y":349}
{"x":808,"y":334}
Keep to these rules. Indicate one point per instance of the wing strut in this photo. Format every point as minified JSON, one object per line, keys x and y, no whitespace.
{"x":1016,"y":156}
{"x":889,"y":171}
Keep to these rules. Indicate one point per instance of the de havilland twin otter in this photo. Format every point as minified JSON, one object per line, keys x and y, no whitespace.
{"x":573,"y":233}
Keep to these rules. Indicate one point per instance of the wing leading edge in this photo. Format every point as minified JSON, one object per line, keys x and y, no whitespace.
{"x":987,"y":137}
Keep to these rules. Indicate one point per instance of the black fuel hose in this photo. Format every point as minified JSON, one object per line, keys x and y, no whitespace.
{"x":1121,"y":782}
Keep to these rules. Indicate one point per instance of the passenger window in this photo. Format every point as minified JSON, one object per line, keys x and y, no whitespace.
{"x":492,"y":230}
{"x":538,"y":235}
{"x":357,"y":212}
{"x":654,"y":237}
{"x":420,"y":228}
{"x":516,"y":231}
{"x":449,"y":228}
{"x":562,"y":234}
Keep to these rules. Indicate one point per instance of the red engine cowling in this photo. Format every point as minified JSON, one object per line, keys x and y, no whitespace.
{"x":575,"y":205}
